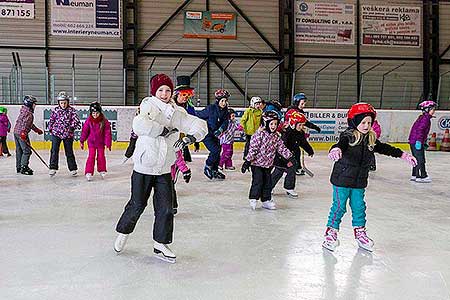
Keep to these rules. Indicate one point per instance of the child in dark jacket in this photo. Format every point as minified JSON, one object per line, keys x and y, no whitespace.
{"x":353,"y":155}
{"x":97,"y":132}
{"x":417,"y":140}
{"x":62,"y":125}
{"x":217,"y":117}
{"x":294,"y":138}
{"x":264,"y":145}
{"x":298,"y":104}
{"x":24,"y":125}
{"x":5,"y":127}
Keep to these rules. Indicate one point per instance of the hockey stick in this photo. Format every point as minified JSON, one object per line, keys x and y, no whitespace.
{"x":304,"y":168}
{"x":35,"y":152}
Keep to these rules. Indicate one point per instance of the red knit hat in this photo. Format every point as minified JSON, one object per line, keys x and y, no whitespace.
{"x":159,"y":80}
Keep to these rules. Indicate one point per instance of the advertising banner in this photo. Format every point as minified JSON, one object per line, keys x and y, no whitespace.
{"x":83,"y":114}
{"x":325,"y":23}
{"x":17,"y":9}
{"x":209,"y":25}
{"x":96,"y":18}
{"x":398,"y":26}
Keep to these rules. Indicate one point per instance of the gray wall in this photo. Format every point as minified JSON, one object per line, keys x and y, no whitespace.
{"x":402,"y":88}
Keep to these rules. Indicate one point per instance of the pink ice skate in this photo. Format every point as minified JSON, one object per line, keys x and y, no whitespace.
{"x":362,"y":239}
{"x":331,"y":240}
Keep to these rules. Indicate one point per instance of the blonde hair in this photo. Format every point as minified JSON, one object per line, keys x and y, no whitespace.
{"x":358,"y":137}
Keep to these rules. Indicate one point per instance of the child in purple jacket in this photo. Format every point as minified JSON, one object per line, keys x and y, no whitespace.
{"x":227,"y":141}
{"x":24,"y":124}
{"x":418,"y":138}
{"x":5,"y":127}
{"x":264,"y":145}
{"x":62,"y":125}
{"x":97,"y":131}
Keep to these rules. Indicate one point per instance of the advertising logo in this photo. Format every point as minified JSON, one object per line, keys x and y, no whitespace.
{"x":444,"y":122}
{"x":74,"y":3}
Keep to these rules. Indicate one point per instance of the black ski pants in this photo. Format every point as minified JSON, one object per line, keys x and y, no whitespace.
{"x":141,"y":187}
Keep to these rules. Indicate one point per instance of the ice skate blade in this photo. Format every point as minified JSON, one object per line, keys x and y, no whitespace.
{"x":365,"y":248}
{"x":329,"y":247}
{"x":159,"y":255}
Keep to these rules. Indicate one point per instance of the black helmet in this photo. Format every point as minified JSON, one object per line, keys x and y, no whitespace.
{"x":267,"y":117}
{"x":95,"y":107}
{"x":231,"y":111}
{"x":29,"y":100}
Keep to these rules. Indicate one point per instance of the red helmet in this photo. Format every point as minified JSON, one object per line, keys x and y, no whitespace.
{"x":361,"y":108}
{"x":289,"y":113}
{"x":295,"y":118}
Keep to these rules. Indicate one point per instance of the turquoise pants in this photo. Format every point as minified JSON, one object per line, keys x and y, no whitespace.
{"x":339,"y":206}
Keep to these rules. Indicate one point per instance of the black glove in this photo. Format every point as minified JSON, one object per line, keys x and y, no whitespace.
{"x":293,"y":161}
{"x":245,"y":166}
{"x":166,"y":131}
{"x":197,"y":146}
{"x":187,"y":176}
{"x":317,"y":128}
{"x":184,"y":142}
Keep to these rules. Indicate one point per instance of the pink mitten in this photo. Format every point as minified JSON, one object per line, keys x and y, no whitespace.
{"x":335,"y":154}
{"x":410,"y":159}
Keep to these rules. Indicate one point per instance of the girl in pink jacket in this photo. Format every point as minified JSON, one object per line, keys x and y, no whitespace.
{"x":179,"y":166}
{"x":97,"y":132}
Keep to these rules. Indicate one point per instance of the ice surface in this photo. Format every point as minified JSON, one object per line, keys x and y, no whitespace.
{"x":57,"y":237}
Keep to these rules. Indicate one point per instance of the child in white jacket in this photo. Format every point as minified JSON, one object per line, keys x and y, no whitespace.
{"x":153,"y":157}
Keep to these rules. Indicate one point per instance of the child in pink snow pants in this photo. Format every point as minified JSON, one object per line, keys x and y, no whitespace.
{"x":97,"y":132}
{"x":227,"y":141}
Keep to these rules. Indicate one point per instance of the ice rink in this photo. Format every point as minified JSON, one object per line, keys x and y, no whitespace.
{"x":57,"y":237}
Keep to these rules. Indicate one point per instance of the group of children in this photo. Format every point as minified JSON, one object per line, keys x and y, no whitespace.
{"x":166,"y":124}
{"x":63,"y":122}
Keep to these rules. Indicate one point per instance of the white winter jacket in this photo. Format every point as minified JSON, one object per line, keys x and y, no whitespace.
{"x":154,"y":154}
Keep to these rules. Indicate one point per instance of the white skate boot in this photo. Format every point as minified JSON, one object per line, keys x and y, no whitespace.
{"x":331,"y":241}
{"x":74,"y":173}
{"x":291,"y":194}
{"x":362,"y":239}
{"x":253,"y":203}
{"x":270,"y":205}
{"x":103,"y":174}
{"x":89,"y":177}
{"x":52,"y":172}
{"x":413,"y":178}
{"x":424,"y":180}
{"x":163,"y":252}
{"x":120,"y":242}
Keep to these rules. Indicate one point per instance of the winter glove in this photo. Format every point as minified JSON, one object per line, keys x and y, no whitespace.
{"x":418,"y":145}
{"x":23,"y":136}
{"x":292,"y":162}
{"x":196,"y":147}
{"x":317,"y":128}
{"x":245,"y":166}
{"x":183,"y":142}
{"x":425,"y":146}
{"x":412,"y":161}
{"x":335,"y":154}
{"x":167,"y":132}
{"x":218,"y":132}
{"x":82,"y":145}
{"x":38,"y":131}
{"x":187,"y":176}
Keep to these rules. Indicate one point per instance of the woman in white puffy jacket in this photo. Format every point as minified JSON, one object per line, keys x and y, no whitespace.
{"x":158,"y":120}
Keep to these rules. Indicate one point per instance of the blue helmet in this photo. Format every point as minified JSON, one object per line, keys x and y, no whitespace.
{"x":298,"y":97}
{"x":29,"y":100}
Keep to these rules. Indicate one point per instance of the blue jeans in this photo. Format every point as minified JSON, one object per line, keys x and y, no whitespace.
{"x":338,"y":208}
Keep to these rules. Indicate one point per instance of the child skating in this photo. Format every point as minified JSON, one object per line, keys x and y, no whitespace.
{"x":251,"y":120}
{"x":298,"y":104}
{"x":264,"y":145}
{"x":217,"y":118}
{"x":418,"y":138}
{"x":157,"y":126}
{"x":24,"y":125}
{"x":97,"y":132}
{"x":5,"y":127}
{"x":353,"y":155}
{"x":294,"y":138}
{"x":227,"y":142}
{"x":62,"y":125}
